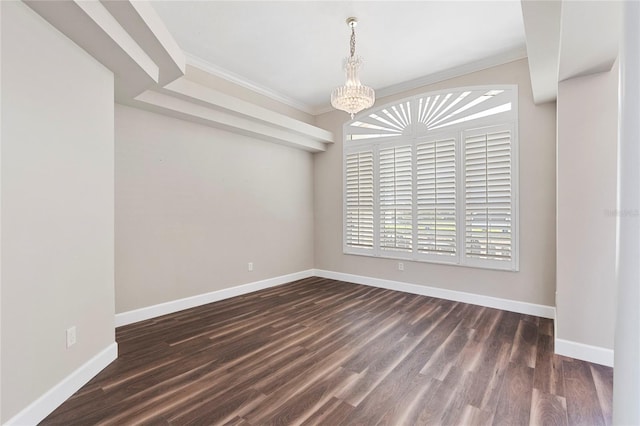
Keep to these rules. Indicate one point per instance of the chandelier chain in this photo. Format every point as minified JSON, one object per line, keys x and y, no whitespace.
{"x":353,"y":42}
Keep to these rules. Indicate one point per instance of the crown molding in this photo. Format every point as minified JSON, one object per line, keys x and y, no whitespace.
{"x":324,"y":109}
{"x":232,"y":77}
{"x":483,"y":64}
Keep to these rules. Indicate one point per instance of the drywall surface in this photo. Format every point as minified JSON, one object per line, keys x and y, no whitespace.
{"x":535,"y":282}
{"x":626,"y":380}
{"x":587,"y":173}
{"x":195,"y":205}
{"x":57,"y":207}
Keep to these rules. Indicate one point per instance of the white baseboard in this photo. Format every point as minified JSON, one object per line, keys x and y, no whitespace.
{"x":153,"y":311}
{"x":584,"y":352}
{"x":458,"y":296}
{"x":35,"y":412}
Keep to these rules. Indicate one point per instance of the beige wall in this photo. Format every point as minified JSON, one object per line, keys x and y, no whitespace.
{"x":194,"y":205}
{"x":587,"y":172}
{"x":535,"y":283}
{"x":57,"y":207}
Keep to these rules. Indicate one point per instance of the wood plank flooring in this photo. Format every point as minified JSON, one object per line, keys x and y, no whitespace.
{"x":320,"y":351}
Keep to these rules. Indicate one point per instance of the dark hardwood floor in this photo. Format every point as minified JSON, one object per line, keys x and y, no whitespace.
{"x":320,"y":351}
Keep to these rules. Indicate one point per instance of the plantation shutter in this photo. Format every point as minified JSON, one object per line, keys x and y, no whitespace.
{"x":436,"y":197}
{"x":434,"y":178}
{"x":488,"y":194}
{"x":359,"y":200}
{"x":396,"y":198}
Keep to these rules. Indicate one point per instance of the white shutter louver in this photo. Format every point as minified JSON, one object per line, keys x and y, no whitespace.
{"x":396,"y":198}
{"x":488,"y":196}
{"x":359,"y":200}
{"x":436,"y":197}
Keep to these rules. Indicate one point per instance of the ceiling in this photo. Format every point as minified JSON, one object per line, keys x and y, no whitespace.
{"x":294,"y":50}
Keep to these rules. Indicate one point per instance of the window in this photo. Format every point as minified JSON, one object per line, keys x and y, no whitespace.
{"x":434,"y":178}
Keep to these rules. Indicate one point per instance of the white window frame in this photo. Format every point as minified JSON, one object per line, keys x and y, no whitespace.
{"x":414,"y":135}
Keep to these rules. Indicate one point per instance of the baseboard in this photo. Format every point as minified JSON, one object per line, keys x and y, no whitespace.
{"x":35,"y":412}
{"x":458,"y":296}
{"x":584,"y":352}
{"x":153,"y":311}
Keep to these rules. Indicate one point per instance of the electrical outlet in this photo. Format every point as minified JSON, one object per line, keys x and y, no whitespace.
{"x":250,"y":266}
{"x":71,"y":336}
{"x":400,"y":266}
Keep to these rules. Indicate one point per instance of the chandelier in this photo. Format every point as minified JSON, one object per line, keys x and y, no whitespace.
{"x":353,"y":97}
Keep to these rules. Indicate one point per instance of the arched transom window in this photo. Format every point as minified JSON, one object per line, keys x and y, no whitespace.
{"x":434,"y":178}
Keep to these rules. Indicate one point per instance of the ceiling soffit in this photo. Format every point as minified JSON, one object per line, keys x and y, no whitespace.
{"x":568,"y":39}
{"x":131,"y":40}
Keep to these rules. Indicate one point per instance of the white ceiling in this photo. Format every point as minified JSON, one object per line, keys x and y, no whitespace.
{"x":295,"y":49}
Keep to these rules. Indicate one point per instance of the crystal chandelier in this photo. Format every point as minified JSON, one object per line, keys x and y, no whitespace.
{"x":353,"y":97}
